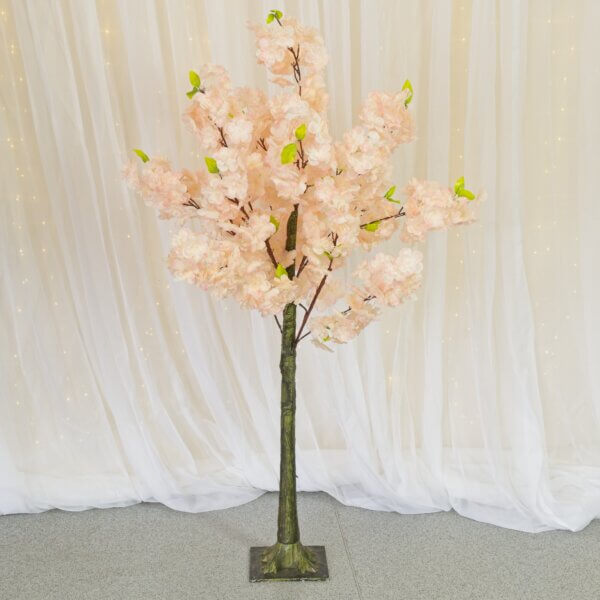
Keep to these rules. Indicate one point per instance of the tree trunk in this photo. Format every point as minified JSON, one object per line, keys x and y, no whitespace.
{"x":288,"y":552}
{"x":287,"y":522}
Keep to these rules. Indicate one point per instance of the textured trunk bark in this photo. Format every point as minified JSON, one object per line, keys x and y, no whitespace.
{"x":287,"y":522}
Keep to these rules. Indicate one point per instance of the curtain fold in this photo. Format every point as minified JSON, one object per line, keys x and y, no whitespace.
{"x":118,"y":385}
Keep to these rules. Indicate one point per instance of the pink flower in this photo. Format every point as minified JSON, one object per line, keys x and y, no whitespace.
{"x":386,"y":114}
{"x":273,"y":45}
{"x":430,"y":206}
{"x":289,"y":182}
{"x":363,"y":149}
{"x":161,"y":187}
{"x":341,"y":327}
{"x":238,"y":131}
{"x":255,"y":231}
{"x":392,"y":280}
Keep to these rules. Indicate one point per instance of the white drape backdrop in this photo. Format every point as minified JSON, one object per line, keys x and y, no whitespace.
{"x":118,"y":385}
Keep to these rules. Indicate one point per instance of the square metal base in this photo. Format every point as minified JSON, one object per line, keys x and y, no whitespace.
{"x":256,"y":573}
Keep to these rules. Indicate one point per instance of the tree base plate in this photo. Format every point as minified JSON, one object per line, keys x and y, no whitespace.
{"x":256,"y":573}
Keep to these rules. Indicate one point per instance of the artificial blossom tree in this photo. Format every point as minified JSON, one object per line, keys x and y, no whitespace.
{"x":276,"y":208}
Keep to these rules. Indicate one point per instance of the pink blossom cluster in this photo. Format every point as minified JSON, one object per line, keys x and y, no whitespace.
{"x":392,"y":280}
{"x":275,"y":46}
{"x":342,"y":326}
{"x":430,"y":206}
{"x":161,"y":187}
{"x":227,"y":268}
{"x":269,"y":160}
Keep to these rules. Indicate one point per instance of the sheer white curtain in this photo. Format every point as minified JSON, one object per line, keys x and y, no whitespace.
{"x":118,"y":385}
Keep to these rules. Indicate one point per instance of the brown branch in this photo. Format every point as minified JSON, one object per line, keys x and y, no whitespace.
{"x":399,"y":214}
{"x":301,"y":162}
{"x":192,"y":202}
{"x":334,"y":237}
{"x":290,"y":240}
{"x":270,"y":252}
{"x":222,"y":140}
{"x":278,"y":323}
{"x":236,"y":201}
{"x":305,"y":335}
{"x":312,"y":305}
{"x":296,"y":68}
{"x":262,"y":144}
{"x":303,"y":264}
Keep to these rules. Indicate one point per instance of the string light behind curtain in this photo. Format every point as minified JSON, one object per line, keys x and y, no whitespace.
{"x":118,"y":385}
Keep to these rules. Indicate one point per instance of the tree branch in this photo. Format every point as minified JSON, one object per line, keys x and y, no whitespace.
{"x":222,"y":140}
{"x":192,"y":202}
{"x":303,"y":264}
{"x":290,"y":241}
{"x":278,"y":323}
{"x":305,"y":335}
{"x":296,"y":68}
{"x":311,"y":306}
{"x":301,"y":162}
{"x":270,"y":252}
{"x":334,"y":237}
{"x":401,"y":213}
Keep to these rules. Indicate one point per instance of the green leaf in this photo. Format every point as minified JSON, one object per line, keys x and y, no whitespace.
{"x":408,"y":86}
{"x":459,"y":185}
{"x":195,"y":79}
{"x":300,"y":132}
{"x":394,"y":201}
{"x":211,"y":164}
{"x":275,"y":222}
{"x":464,"y":193}
{"x":141,"y":154}
{"x":326,"y":338}
{"x":328,"y":255}
{"x":278,"y":14}
{"x":288,"y":154}
{"x":280,"y":271}
{"x":388,"y":195}
{"x":191,"y":93}
{"x":270,"y":18}
{"x":372,"y":226}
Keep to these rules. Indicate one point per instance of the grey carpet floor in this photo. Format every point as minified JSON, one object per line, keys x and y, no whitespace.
{"x":149,"y":552}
